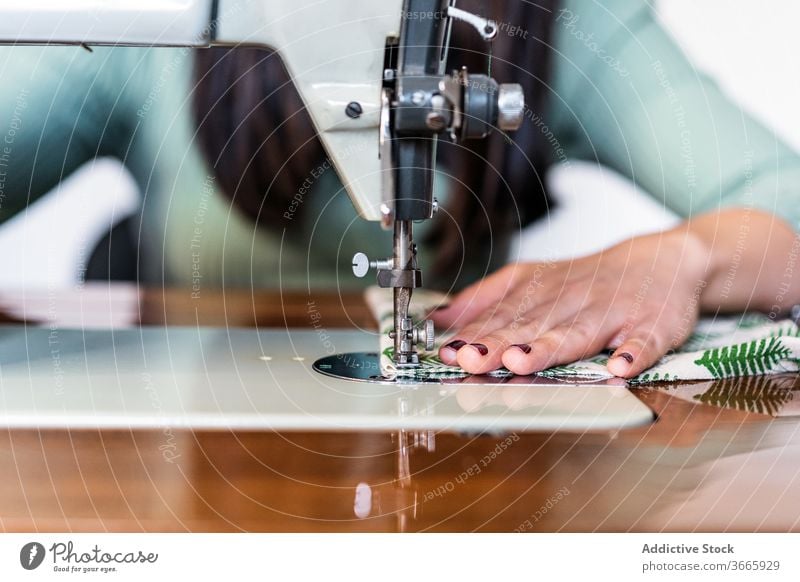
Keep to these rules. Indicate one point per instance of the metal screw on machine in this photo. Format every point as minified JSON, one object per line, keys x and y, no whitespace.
{"x":435,"y":121}
{"x":510,"y":106}
{"x":416,"y":335}
{"x":362,"y":265}
{"x":424,"y":335}
{"x":353,"y":110}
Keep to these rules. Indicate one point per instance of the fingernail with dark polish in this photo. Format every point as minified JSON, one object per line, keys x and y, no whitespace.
{"x":625,"y":356}
{"x":524,"y":347}
{"x":481,"y":348}
{"x":456,"y":345}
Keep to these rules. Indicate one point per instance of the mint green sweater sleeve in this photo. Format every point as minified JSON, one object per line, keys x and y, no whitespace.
{"x":626,"y":96}
{"x":623,"y":95}
{"x":56,"y":112}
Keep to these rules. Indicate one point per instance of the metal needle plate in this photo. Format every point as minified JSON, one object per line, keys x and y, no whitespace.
{"x":365,"y":367}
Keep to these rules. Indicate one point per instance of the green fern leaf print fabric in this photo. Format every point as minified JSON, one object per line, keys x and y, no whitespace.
{"x":750,"y":344}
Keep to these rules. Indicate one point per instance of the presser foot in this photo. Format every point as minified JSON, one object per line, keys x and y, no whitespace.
{"x":402,"y":275}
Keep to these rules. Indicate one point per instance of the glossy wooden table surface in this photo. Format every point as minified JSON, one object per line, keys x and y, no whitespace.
{"x":699,"y":467}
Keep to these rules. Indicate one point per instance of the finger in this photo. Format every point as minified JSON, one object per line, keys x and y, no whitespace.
{"x":490,"y":337}
{"x":630,"y":323}
{"x":644,"y":345}
{"x":475,"y":299}
{"x":483,"y":352}
{"x":494,"y":317}
{"x":566,"y":343}
{"x":503,"y":315}
{"x":640,"y":350}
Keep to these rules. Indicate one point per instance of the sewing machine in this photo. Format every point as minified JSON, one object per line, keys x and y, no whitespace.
{"x":371,"y":74}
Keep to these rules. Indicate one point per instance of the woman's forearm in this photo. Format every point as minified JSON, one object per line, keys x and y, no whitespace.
{"x":753,"y":261}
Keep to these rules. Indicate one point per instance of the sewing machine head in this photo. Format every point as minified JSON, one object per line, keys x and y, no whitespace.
{"x":372,"y":75}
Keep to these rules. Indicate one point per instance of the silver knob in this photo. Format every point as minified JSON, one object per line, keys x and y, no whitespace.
{"x":429,"y":335}
{"x":362,"y":265}
{"x":510,"y":106}
{"x":425,"y":335}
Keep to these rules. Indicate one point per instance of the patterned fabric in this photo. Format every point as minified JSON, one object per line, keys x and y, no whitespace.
{"x":747,"y":345}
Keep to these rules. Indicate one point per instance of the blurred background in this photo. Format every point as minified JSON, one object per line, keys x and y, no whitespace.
{"x":749,"y":48}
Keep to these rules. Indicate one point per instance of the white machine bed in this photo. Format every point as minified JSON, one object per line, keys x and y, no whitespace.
{"x":226,"y":379}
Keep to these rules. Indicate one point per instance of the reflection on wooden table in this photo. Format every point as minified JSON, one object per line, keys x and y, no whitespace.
{"x":721,"y":456}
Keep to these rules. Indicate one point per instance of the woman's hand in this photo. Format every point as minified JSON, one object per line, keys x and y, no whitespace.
{"x":640,"y":298}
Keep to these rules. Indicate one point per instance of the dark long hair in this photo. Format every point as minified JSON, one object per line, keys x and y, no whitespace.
{"x":250,"y":118}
